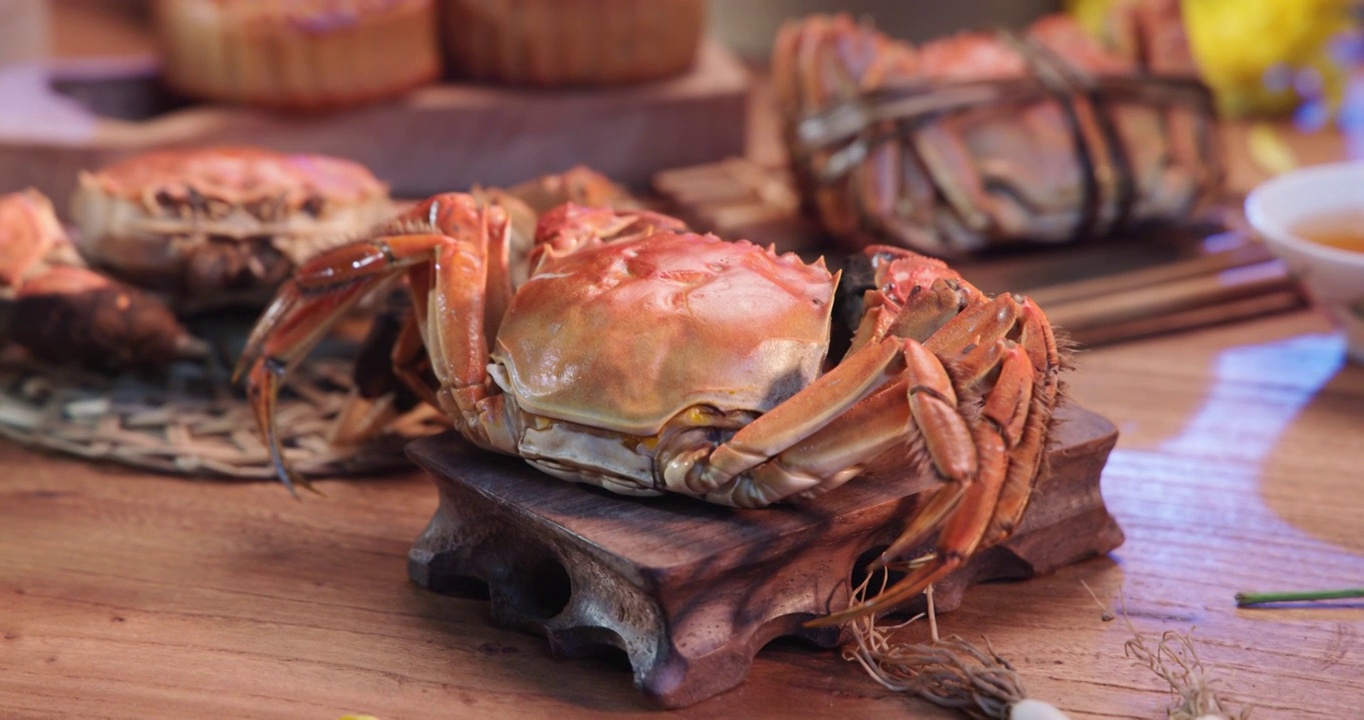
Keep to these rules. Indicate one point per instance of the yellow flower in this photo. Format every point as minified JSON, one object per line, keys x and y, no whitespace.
{"x":1238,"y":42}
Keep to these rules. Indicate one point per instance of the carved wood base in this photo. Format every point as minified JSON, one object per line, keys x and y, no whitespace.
{"x":692,"y":591}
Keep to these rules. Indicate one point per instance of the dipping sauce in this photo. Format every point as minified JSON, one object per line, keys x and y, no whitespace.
{"x":1343,"y":230}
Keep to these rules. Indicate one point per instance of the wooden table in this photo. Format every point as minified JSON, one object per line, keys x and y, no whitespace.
{"x":1239,"y":467}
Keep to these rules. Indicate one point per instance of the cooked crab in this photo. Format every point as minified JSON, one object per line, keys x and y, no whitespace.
{"x":378,"y":396}
{"x":61,"y":311}
{"x":984,"y":139}
{"x":644,"y":359}
{"x":214,"y":227}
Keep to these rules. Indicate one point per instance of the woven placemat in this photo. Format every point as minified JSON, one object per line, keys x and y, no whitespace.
{"x":191,"y":421}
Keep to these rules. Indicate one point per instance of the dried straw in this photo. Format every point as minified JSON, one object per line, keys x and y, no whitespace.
{"x":949,"y":672}
{"x":1175,"y":660}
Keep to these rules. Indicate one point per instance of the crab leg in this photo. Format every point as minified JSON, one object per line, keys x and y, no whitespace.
{"x":798,"y":417}
{"x":973,"y":515}
{"x":321,"y":293}
{"x":1039,"y":341}
{"x":266,"y":364}
{"x":1002,"y":424}
{"x":813,"y":462}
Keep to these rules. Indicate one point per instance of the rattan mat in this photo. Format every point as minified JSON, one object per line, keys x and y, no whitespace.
{"x":192,"y":421}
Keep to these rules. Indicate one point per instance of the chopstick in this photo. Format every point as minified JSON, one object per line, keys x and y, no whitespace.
{"x":1247,"y":252}
{"x":1220,"y":287}
{"x":1244,"y":309}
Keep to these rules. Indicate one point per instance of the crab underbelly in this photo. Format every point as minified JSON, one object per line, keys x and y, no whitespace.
{"x":613,"y":461}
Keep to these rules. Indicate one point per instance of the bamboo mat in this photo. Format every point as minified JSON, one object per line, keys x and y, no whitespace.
{"x":190,"y":420}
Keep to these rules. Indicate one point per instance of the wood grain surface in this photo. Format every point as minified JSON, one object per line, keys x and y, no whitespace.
{"x":126,"y":595}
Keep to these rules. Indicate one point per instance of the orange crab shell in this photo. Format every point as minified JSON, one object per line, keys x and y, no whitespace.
{"x":221,"y":226}
{"x":29,"y":230}
{"x":647,"y":328}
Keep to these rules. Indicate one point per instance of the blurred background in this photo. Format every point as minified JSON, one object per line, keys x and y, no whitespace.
{"x":748,"y":26}
{"x":1261,"y":56}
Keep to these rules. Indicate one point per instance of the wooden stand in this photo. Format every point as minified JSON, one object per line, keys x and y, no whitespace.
{"x":692,"y":591}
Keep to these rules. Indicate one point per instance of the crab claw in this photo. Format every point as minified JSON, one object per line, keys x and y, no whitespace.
{"x":67,"y":311}
{"x":290,"y":327}
{"x":263,"y":393}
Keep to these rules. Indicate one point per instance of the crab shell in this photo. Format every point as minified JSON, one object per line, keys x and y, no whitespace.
{"x":215,"y":227}
{"x":647,"y":329}
{"x":29,"y":235}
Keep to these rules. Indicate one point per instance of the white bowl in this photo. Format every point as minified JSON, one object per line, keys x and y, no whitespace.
{"x":1333,"y":278}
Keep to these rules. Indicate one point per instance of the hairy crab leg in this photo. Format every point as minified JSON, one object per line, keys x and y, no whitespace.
{"x":270,"y":363}
{"x":1002,"y":416}
{"x":323,"y":291}
{"x":972,"y":517}
{"x":455,"y":322}
{"x":1039,"y":341}
{"x":799,"y":416}
{"x":816,"y":462}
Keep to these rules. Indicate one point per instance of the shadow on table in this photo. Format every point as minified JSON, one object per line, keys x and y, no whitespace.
{"x":1313,"y":476}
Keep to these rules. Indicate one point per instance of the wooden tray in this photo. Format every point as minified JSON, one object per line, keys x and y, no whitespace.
{"x":89,"y":113}
{"x":691,"y":591}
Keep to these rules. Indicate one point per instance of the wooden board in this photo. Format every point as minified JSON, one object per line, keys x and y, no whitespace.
{"x":691,"y":591}
{"x":443,"y":137}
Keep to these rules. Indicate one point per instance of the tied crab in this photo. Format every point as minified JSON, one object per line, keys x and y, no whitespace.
{"x":645,"y":359}
{"x":985,"y":139}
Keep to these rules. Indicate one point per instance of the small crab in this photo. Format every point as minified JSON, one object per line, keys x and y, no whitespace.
{"x":646,"y":359}
{"x":220,"y":227}
{"x":59,"y":310}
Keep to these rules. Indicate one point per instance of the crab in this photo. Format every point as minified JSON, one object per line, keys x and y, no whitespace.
{"x":220,"y":227}
{"x":378,"y":397}
{"x":646,"y":359}
{"x":61,"y":311}
{"x":985,"y":139}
